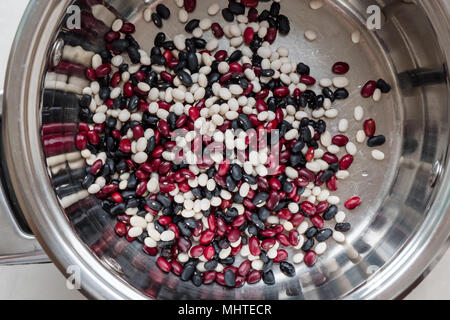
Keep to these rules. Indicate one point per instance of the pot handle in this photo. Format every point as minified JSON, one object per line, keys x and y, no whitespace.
{"x":16,"y":245}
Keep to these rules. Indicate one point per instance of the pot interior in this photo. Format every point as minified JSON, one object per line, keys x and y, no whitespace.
{"x":397,"y":192}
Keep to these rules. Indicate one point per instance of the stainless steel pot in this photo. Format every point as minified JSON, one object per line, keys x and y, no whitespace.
{"x":399,"y":232}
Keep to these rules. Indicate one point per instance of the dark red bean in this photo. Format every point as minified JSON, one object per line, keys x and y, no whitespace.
{"x":306,"y":174}
{"x":281,"y":92}
{"x":244,"y":268}
{"x":345,"y":162}
{"x":341,"y":68}
{"x":332,"y":183}
{"x":317,"y":221}
{"x":217,"y":31}
{"x":252,"y":15}
{"x":254,"y":277}
{"x":249,"y":35}
{"x":207,"y":237}
{"x":189,"y":5}
{"x":310,"y":258}
{"x":283,"y":239}
{"x":294,"y":237}
{"x":250,"y":3}
{"x":268,"y":243}
{"x":197,"y":251}
{"x":297,"y":219}
{"x":121,"y":229}
{"x":209,"y":252}
{"x":368,"y":89}
{"x":103,"y":70}
{"x":163,"y":264}
{"x":176,"y":267}
{"x":340,"y":140}
{"x":308,"y":80}
{"x":281,"y":256}
{"x":271,"y":35}
{"x":352,"y":203}
{"x":308,"y":207}
{"x":125,"y":145}
{"x":369,"y":127}
{"x":209,"y":277}
{"x":253,"y":245}
{"x":96,"y":167}
{"x":330,"y":158}
{"x":128,"y":28}
{"x":309,"y":154}
{"x":81,"y":141}
{"x":93,"y":137}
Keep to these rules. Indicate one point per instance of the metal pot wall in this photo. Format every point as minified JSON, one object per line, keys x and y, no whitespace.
{"x":398,"y":234}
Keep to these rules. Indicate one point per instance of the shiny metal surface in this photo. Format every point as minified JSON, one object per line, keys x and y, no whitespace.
{"x":17,"y":246}
{"x":398,"y":232}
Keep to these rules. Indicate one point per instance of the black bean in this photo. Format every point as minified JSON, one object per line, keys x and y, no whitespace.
{"x":330,"y":213}
{"x":287,"y":268}
{"x":159,"y":60}
{"x":258,"y":223}
{"x":185,"y":78}
{"x":311,"y":232}
{"x":104,"y":93}
{"x":288,"y":187}
{"x":163,"y":11}
{"x":284,"y":26}
{"x":118,"y":209}
{"x":308,"y":245}
{"x":244,"y":122}
{"x":227,"y":261}
{"x":159,"y":227}
{"x":264,"y":15}
{"x":327,"y":175}
{"x":253,"y":230}
{"x":159,"y":39}
{"x":324,"y":234}
{"x":191,"y":223}
{"x":134,"y":103}
{"x":298,"y":147}
{"x":188,"y":271}
{"x":249,"y":179}
{"x":232,"y":212}
{"x":169,"y":45}
{"x":192,"y":61}
{"x":153,"y":204}
{"x":260,"y":198}
{"x":197,"y":279}
{"x":165,"y":201}
{"x":236,"y":8}
{"x":184,"y":229}
{"x":235,"y":56}
{"x":275,"y":9}
{"x":85,"y":100}
{"x":211,"y":265}
{"x":120,"y":45}
{"x":191,"y":25}
{"x":267,"y":266}
{"x":267,"y":72}
{"x":230,"y":278}
{"x":228,"y":15}
{"x":376,"y":141}
{"x":231,"y":184}
{"x":88,"y":181}
{"x":383,"y":86}
{"x":342,"y":227}
{"x":268,"y":278}
{"x":134,"y":54}
{"x":157,"y":20}
{"x":236,"y":172}
{"x":263,"y":213}
{"x":303,"y":69}
{"x":341,"y":94}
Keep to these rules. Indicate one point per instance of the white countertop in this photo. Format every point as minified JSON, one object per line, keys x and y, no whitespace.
{"x":45,"y":282}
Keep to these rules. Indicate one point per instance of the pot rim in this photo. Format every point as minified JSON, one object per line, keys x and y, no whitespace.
{"x":26,"y":169}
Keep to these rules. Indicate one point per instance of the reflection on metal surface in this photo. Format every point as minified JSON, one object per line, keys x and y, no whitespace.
{"x":396,"y":233}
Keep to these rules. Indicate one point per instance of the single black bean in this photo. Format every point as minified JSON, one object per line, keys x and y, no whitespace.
{"x":191,"y":25}
{"x":263,"y":213}
{"x":330,"y":213}
{"x":228,"y":15}
{"x":284,"y":26}
{"x":156,"y":18}
{"x":287,"y":269}
{"x":236,"y":8}
{"x":267,"y":72}
{"x":211,"y":265}
{"x":308,"y":245}
{"x":163,"y":11}
{"x":341,"y":94}
{"x":260,"y":198}
{"x":275,"y":9}
{"x":376,"y":141}
{"x":327,"y":175}
{"x":342,"y":227}
{"x":303,"y":69}
{"x":188,"y":271}
{"x":159,"y":39}
{"x":311,"y":232}
{"x":197,"y":278}
{"x":324,"y":234}
{"x":230,"y":278}
{"x":383,"y":86}
{"x":268,"y":277}
{"x":236,"y":172}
